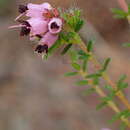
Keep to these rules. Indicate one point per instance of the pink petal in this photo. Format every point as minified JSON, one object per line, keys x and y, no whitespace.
{"x":38,"y":26}
{"x":55,"y":25}
{"x":37,"y":10}
{"x":49,"y":39}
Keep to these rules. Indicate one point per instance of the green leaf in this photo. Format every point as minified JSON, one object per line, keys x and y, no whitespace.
{"x":122,"y":78}
{"x":54,"y":47}
{"x":89,"y":91}
{"x":84,"y":67}
{"x":95,"y":75}
{"x":119,"y":13}
{"x":65,"y":50}
{"x":90,"y":45}
{"x":101,"y":105}
{"x":107,"y":98}
{"x":76,"y":66}
{"x":125,"y":114}
{"x":83,"y":55}
{"x":79,"y":25}
{"x":73,"y":19}
{"x":105,"y":65}
{"x":73,"y":56}
{"x":96,"y":81}
{"x":121,"y":84}
{"x":82,"y":82}
{"x":126,"y":44}
{"x":109,"y":88}
{"x":115,"y":117}
{"x":123,"y":126}
{"x":71,"y":73}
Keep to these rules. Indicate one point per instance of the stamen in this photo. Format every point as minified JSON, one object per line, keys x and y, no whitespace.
{"x":23,"y":22}
{"x":19,"y":16}
{"x":16,"y":26}
{"x":54,"y":26}
{"x":22,"y":8}
{"x":42,"y":48}
{"x":25,"y":31}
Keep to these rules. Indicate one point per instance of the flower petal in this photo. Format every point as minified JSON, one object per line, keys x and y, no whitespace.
{"x":37,"y":10}
{"x":38,"y":26}
{"x":49,"y":39}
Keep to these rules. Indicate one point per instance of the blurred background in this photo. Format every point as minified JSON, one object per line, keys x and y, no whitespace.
{"x":35,"y":95}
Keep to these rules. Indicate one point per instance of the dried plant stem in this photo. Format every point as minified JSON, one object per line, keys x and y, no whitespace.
{"x":111,"y":104}
{"x":119,"y":94}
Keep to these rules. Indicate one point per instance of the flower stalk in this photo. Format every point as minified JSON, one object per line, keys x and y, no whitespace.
{"x":102,"y":94}
{"x":119,"y":94}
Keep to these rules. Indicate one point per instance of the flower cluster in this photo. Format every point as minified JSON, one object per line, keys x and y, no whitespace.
{"x":44,"y":24}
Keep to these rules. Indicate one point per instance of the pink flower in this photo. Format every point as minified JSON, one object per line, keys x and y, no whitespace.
{"x":55,"y":25}
{"x":46,"y":42}
{"x":38,"y":26}
{"x":37,"y":10}
{"x":34,"y":10}
{"x":44,"y":24}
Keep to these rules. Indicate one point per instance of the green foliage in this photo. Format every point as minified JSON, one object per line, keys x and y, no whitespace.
{"x":82,"y":82}
{"x":90,"y":45}
{"x":73,"y":19}
{"x":121,"y":84}
{"x":123,"y":126}
{"x":83,"y":55}
{"x":84,"y":66}
{"x":70,"y":37}
{"x":71,"y":73}
{"x":106,"y":99}
{"x":95,"y":77}
{"x":65,"y":50}
{"x":52,"y":49}
{"x":88,"y":91}
{"x":126,"y":44}
{"x":73,"y":56}
{"x":76,"y":66}
{"x":109,"y":88}
{"x":125,"y":114}
{"x":101,"y":105}
{"x":119,"y":13}
{"x":105,"y":65}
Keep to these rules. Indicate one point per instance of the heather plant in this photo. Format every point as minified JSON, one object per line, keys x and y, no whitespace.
{"x":56,"y":28}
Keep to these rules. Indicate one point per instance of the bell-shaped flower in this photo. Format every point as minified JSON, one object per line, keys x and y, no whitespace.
{"x":46,"y":42}
{"x":55,"y":25}
{"x":38,"y":26}
{"x":37,"y":10}
{"x":34,"y":10}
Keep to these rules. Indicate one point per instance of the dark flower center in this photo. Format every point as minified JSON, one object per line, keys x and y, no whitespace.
{"x":25,"y":31}
{"x":39,"y":36}
{"x":22,"y":8}
{"x":42,"y":48}
{"x":54,"y":26}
